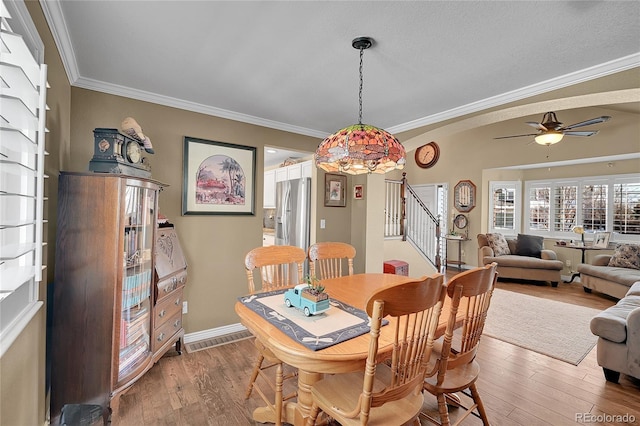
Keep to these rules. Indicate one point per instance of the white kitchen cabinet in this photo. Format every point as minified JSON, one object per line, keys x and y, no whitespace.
{"x":294,"y":171}
{"x":269,"y":199}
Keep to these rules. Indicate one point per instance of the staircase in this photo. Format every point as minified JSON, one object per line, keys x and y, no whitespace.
{"x":407,"y":217}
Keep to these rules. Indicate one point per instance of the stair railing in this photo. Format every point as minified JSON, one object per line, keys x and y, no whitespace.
{"x":407,"y":217}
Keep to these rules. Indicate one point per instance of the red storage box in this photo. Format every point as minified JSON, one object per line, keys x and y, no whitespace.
{"x":397,"y":267}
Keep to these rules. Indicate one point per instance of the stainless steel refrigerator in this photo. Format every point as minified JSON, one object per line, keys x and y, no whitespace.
{"x":293,"y":214}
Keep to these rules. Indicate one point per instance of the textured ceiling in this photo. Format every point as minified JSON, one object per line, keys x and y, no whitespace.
{"x":290,"y":65}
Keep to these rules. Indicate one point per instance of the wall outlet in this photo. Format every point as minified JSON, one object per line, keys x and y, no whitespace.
{"x":323,"y":224}
{"x":185,"y":307}
{"x":462,"y":253}
{"x":568,"y":263}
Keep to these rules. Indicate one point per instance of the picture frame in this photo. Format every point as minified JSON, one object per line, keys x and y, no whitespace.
{"x":219,"y":178}
{"x":601,"y":239}
{"x":358,"y":192}
{"x":335,"y":190}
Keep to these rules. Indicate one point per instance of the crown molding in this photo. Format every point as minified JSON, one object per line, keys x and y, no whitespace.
{"x":145,"y":96}
{"x":597,"y":71}
{"x":58,"y":26}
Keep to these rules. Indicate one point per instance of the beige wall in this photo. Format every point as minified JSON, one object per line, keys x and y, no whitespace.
{"x":215,"y":246}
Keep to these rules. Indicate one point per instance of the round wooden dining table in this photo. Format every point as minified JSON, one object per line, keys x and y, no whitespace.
{"x":346,"y":356}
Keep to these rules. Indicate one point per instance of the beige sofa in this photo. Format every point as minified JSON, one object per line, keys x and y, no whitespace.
{"x":618,"y":331}
{"x":515,"y":266}
{"x":612,"y":280}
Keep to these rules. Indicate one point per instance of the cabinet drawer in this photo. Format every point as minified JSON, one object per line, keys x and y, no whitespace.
{"x":165,"y":332}
{"x":167,"y":307}
{"x":170,"y":284}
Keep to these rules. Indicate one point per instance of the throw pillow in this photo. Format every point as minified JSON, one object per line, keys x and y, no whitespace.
{"x":529,"y":245}
{"x":626,"y":256}
{"x":498,"y":244}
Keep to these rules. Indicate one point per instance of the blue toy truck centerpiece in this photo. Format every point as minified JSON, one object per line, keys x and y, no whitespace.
{"x":310,"y":298}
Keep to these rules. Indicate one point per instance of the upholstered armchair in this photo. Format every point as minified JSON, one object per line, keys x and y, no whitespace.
{"x":618,"y":331}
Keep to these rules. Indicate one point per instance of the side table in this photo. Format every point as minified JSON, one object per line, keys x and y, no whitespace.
{"x":459,"y":240}
{"x":583,"y":249}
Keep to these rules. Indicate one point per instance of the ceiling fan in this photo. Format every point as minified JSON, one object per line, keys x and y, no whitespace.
{"x":551,"y":131}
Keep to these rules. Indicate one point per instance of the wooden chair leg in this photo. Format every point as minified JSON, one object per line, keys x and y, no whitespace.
{"x":313,"y":414}
{"x":478,"y":401}
{"x":254,"y":375}
{"x":442,"y":409}
{"x":279,"y":380}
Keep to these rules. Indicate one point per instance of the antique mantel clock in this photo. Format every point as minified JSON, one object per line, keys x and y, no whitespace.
{"x":114,"y":152}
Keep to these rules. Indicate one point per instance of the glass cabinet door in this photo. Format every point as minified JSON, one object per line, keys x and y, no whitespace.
{"x":135,"y":327}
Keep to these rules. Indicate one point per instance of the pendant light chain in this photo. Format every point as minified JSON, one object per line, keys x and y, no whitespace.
{"x":360,"y":92}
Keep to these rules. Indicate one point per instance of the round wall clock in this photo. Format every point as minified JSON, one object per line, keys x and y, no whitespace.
{"x":427,"y":155}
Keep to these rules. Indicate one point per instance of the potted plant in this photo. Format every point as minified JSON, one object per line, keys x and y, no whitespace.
{"x":314,"y":290}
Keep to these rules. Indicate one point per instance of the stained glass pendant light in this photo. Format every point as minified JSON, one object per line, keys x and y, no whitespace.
{"x":360,"y":148}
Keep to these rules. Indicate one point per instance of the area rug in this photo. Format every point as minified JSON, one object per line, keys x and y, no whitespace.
{"x":556,"y":329}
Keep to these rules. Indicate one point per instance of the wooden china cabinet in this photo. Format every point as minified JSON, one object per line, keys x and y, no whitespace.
{"x":104,"y":292}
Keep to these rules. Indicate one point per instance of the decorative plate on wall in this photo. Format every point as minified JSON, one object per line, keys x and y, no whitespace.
{"x":464,"y":196}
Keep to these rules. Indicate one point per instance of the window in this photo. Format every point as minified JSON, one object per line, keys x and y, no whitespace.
{"x":594,"y":207}
{"x":565,"y":208}
{"x":22,"y":95}
{"x":604,"y":203}
{"x":504,"y":207}
{"x":626,"y":207}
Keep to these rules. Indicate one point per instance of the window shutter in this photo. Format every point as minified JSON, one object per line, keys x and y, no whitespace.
{"x":626,"y":207}
{"x":22,"y":140}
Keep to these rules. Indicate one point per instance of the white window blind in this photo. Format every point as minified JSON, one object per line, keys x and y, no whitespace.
{"x":504,"y":207}
{"x":22,"y":140}
{"x":626,"y":206}
{"x":594,"y":206}
{"x":599,"y":204}
{"x":565,"y":207}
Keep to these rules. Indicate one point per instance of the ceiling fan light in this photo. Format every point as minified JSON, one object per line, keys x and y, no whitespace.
{"x":549,"y":138}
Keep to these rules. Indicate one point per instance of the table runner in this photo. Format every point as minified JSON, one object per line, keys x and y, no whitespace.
{"x":341,"y":322}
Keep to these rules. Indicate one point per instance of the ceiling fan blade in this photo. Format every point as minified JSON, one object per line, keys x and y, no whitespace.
{"x":537,"y":125}
{"x":588,"y":122}
{"x":516,"y":136}
{"x":584,"y":133}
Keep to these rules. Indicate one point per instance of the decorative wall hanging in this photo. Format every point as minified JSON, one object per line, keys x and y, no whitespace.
{"x":219,"y":178}
{"x":464,"y":196}
{"x":358,"y":192}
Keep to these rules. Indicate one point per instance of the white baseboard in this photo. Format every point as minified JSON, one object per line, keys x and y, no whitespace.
{"x":213,"y":333}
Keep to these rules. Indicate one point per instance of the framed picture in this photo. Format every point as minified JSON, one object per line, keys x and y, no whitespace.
{"x":335,"y":187}
{"x":601,"y":239}
{"x":219,"y":178}
{"x":358,"y":192}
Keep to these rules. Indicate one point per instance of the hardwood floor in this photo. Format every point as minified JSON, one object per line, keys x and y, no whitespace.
{"x":518,"y":387}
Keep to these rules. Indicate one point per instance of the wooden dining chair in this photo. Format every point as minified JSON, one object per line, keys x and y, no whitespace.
{"x":453,"y":367}
{"x":387,"y":393}
{"x":326,"y":259}
{"x":279,"y":267}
